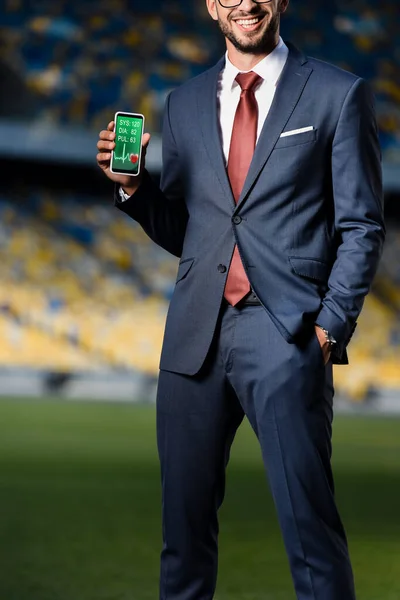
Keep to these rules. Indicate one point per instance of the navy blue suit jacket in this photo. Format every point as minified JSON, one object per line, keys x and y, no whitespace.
{"x":309,"y":222}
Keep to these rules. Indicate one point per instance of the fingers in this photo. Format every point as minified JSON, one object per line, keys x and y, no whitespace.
{"x":106,"y":142}
{"x":103,"y":157}
{"x":104,"y":145}
{"x":106,"y":138}
{"x":107,"y":135}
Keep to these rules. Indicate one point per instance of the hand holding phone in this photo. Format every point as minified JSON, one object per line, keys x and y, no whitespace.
{"x":114,"y":160}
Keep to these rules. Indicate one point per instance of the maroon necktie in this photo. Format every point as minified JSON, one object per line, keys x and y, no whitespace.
{"x":243,"y":142}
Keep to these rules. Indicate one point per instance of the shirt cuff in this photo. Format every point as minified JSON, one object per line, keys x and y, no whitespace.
{"x":123,"y":195}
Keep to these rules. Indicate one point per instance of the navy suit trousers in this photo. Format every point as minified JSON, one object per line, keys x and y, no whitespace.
{"x":286,"y":393}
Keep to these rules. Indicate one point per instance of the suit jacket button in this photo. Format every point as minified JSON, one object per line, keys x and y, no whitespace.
{"x":221,"y":268}
{"x":237,"y":220}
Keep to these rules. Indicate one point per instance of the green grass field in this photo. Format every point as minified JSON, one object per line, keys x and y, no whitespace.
{"x":80,"y":506}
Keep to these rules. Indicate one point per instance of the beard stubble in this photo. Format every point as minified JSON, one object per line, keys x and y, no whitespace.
{"x":265,"y":44}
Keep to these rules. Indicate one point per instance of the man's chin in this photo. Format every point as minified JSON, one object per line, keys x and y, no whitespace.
{"x":250,"y":44}
{"x":253,"y":42}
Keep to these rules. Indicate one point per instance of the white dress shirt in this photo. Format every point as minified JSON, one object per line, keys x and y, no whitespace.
{"x":270,"y":69}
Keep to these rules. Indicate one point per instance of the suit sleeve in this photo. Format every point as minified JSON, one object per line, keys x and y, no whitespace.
{"x":161,"y":211}
{"x":358,"y":204}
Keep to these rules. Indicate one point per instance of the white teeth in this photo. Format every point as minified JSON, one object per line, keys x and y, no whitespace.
{"x":247,"y":22}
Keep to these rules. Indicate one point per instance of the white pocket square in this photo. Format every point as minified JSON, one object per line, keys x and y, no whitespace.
{"x":297,"y":131}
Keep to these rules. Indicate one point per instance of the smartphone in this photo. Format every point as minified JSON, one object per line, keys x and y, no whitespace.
{"x":126,"y":156}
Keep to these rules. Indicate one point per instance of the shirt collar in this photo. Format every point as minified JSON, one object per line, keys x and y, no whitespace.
{"x":269,"y":68}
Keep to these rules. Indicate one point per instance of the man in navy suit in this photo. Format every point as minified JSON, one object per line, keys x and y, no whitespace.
{"x":271,"y":197}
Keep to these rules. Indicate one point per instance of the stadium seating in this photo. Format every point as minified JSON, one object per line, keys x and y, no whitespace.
{"x":87,"y":59}
{"x":82,"y":287}
{"x":74,"y":280}
{"x":374,"y":352}
{"x":375,"y":349}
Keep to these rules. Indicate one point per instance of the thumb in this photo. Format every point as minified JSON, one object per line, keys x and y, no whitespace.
{"x":146,"y":140}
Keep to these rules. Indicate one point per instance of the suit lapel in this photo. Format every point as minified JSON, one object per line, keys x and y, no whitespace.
{"x":209,"y":120}
{"x":289,"y":89}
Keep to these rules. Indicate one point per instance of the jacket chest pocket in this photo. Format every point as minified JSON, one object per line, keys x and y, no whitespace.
{"x":296,"y":139}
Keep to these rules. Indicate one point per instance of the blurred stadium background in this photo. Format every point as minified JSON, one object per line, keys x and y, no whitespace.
{"x":83,"y":300}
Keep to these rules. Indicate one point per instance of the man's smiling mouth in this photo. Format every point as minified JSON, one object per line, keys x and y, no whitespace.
{"x":249,"y":23}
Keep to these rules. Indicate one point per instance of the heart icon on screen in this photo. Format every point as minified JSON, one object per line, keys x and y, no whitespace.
{"x":134,"y":158}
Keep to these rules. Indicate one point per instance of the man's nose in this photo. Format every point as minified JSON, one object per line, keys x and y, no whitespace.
{"x":247,"y":5}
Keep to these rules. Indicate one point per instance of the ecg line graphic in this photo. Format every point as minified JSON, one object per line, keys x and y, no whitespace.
{"x":125,"y":156}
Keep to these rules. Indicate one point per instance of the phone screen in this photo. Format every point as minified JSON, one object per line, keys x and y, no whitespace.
{"x":128,"y":143}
